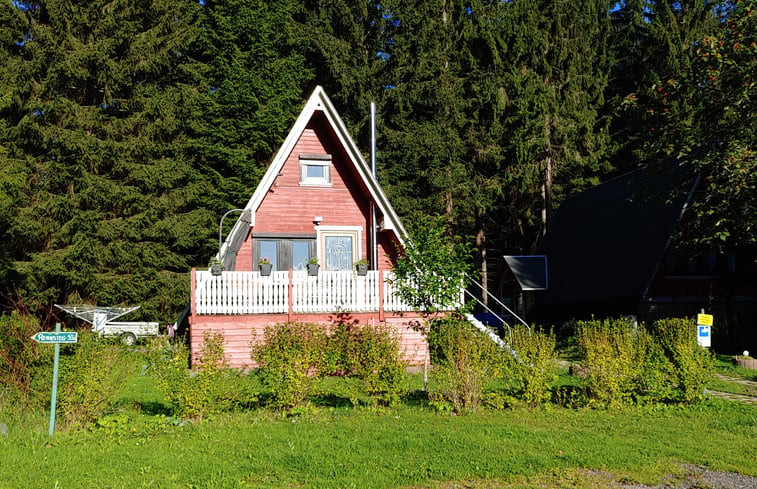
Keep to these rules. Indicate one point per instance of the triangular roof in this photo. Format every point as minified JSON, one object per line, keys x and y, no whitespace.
{"x":318,"y":102}
{"x":605,"y":244}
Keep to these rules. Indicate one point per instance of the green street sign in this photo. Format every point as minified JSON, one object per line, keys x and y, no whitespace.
{"x":56,"y":337}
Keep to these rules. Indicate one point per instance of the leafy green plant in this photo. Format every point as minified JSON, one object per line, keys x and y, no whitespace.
{"x":464,"y":361}
{"x":375,"y":357}
{"x":612,"y":359}
{"x":535,"y":363}
{"x":292,"y":358}
{"x":90,"y":378}
{"x":692,"y":365}
{"x":20,"y":359}
{"x":657,"y":375}
{"x":209,"y":388}
{"x":212,"y":356}
{"x":431,"y":272}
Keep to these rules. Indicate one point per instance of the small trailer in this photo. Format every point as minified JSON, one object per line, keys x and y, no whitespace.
{"x":103,"y":321}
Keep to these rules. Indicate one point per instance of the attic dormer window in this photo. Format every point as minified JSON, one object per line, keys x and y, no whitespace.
{"x":315,"y":169}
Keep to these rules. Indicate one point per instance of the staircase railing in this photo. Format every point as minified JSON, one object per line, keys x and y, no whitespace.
{"x":491,"y":311}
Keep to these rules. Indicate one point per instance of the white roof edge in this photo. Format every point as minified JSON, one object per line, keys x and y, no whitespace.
{"x":320,"y":101}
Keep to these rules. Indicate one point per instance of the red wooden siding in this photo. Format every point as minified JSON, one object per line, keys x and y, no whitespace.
{"x":244,"y":255}
{"x":290,"y":208}
{"x":241,"y":331}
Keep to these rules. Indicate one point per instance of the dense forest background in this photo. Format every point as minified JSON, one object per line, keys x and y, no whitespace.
{"x":128,"y":127}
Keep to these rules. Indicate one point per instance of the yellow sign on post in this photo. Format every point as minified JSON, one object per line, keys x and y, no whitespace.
{"x":704,"y":319}
{"x":704,"y":330}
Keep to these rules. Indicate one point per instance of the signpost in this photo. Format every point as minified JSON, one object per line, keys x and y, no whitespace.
{"x":57,"y":337}
{"x":704,"y":329}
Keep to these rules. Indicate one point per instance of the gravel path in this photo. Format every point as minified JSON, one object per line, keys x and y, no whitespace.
{"x":700,"y":478}
{"x":735,"y":397}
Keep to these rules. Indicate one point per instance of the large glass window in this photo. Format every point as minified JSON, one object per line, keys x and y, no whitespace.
{"x":301,"y":253}
{"x":284,"y":253}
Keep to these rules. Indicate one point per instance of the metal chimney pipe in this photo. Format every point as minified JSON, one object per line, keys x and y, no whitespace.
{"x":374,"y":233}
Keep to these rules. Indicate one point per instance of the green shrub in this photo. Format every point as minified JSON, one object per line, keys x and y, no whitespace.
{"x":464,"y":361}
{"x":292,"y":358}
{"x":692,"y":365}
{"x":613,"y":359}
{"x":90,"y":378}
{"x":535,"y":364}
{"x":25,"y":368}
{"x":169,"y":368}
{"x":209,"y":388}
{"x":339,"y":355}
{"x":374,"y":355}
{"x":657,"y":375}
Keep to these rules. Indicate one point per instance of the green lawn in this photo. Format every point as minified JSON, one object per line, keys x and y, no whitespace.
{"x":335,"y":445}
{"x":361,"y":448}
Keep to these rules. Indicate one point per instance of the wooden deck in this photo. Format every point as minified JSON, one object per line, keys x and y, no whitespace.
{"x":294,"y":292}
{"x":239,"y":305}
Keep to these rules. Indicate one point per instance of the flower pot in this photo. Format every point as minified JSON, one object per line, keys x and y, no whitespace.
{"x":265,"y":269}
{"x":362,"y":269}
{"x":216,"y":269}
{"x":313,"y":268}
{"x":746,"y":362}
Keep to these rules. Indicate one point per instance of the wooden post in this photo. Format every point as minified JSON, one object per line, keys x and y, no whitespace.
{"x":192,"y":289}
{"x":289,"y":296}
{"x":381,"y":296}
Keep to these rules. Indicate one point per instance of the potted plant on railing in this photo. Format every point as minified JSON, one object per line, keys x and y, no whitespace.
{"x":265,"y":266}
{"x":216,"y":267}
{"x":313,"y":266}
{"x":361,"y":266}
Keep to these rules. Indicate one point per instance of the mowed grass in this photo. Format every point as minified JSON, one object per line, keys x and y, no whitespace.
{"x":361,"y":448}
{"x":413,"y":445}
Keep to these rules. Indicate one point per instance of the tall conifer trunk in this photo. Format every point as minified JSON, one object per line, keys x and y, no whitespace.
{"x":481,"y":246}
{"x":546,"y":213}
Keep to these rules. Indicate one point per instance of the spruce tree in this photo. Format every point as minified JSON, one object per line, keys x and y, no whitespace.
{"x":346,"y":45}
{"x":252,"y":90}
{"x":557,"y":79}
{"x":445,"y":113}
{"x":109,"y":208}
{"x":653,"y":48}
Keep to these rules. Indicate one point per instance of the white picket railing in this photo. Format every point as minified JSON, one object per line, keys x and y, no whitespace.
{"x":242,"y":293}
{"x":327,"y":292}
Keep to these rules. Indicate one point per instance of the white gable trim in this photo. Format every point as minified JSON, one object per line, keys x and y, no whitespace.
{"x":319,"y":101}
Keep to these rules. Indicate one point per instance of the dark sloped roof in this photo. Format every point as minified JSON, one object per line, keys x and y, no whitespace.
{"x":529,"y":271}
{"x":604,"y":244}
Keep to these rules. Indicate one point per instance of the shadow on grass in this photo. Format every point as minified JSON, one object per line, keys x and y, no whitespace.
{"x":150,"y":408}
{"x":416,"y":398}
{"x":331,"y":400}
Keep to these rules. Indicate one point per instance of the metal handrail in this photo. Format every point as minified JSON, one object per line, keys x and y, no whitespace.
{"x":523,"y":322}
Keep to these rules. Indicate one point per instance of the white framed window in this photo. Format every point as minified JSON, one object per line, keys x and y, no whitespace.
{"x":338,"y":246}
{"x":315,"y":169}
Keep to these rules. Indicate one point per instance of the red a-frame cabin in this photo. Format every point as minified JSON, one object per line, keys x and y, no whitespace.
{"x":318,"y":199}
